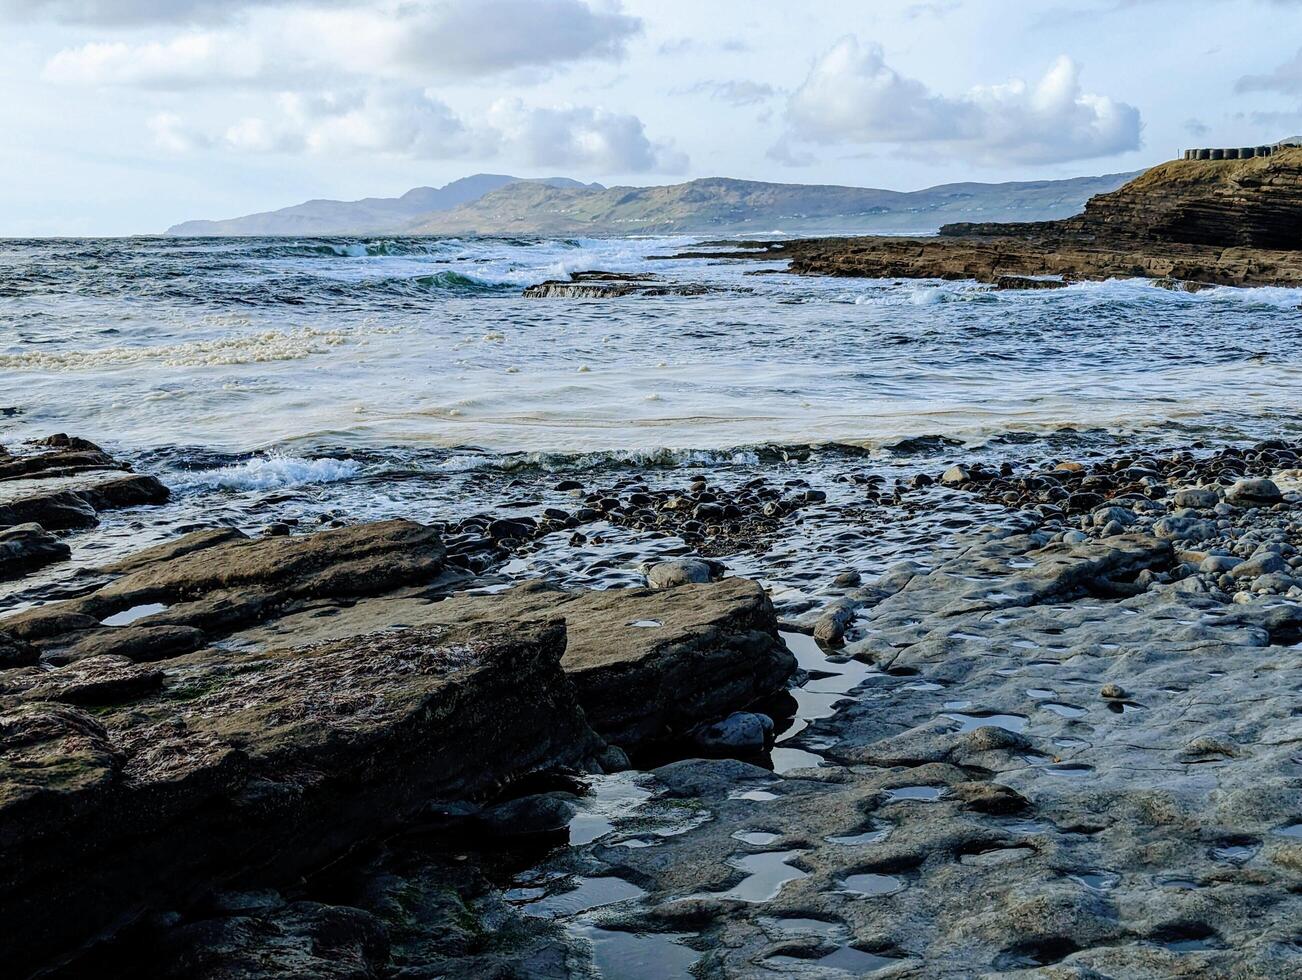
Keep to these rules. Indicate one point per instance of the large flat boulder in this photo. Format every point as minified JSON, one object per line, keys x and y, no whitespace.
{"x":648,"y":664}
{"x":126,"y":788}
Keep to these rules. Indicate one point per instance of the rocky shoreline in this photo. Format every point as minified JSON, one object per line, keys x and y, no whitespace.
{"x":1220,"y":222}
{"x":1068,"y":745}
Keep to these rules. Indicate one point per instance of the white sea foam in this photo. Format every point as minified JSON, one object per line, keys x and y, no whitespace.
{"x":273,"y":471}
{"x":236,"y":349}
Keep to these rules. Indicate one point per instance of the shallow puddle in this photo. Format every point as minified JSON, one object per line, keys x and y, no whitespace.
{"x":787,"y":760}
{"x":1236,"y":851}
{"x":804,"y":927}
{"x":646,"y":623}
{"x":872,"y":885}
{"x":974,"y":720}
{"x":1071,"y":770}
{"x":874,"y":835}
{"x":591,"y":893}
{"x":924,"y":794}
{"x":1064,"y":710}
{"x":609,"y":798}
{"x":755,"y":795}
{"x":846,"y":959}
{"x":1290,"y":830}
{"x":767,"y":873}
{"x":128,"y":616}
{"x":758,"y":838}
{"x":636,"y":955}
{"x":1098,"y":881}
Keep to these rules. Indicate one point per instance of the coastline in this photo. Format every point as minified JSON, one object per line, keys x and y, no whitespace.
{"x":1034,"y":708}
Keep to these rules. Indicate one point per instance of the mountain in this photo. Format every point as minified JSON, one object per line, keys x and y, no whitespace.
{"x":381,"y":215}
{"x":721,"y":205}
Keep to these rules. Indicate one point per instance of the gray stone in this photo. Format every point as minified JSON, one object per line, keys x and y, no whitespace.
{"x":1197,"y":498}
{"x":746,"y":732}
{"x":1254,"y":493}
{"x":682,"y":571}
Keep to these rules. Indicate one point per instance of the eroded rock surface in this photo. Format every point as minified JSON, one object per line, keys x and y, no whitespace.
{"x":58,"y":484}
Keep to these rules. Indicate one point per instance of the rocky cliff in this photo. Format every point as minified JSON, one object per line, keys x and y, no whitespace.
{"x":1219,"y":222}
{"x":1228,"y":203}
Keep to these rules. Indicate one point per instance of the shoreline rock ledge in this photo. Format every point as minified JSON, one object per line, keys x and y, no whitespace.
{"x":268,"y":705}
{"x":1195,"y":222}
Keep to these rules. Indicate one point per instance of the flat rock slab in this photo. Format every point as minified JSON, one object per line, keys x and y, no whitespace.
{"x":648,"y":664}
{"x":175,"y":597}
{"x":218,"y":764}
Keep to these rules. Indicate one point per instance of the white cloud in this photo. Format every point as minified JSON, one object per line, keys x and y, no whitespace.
{"x":735,"y":92}
{"x":851,"y":96}
{"x":449,"y":39}
{"x":1287,"y":78}
{"x":578,"y":136}
{"x":126,"y":13}
{"x":416,"y":125}
{"x":468,"y":38}
{"x":187,"y":61}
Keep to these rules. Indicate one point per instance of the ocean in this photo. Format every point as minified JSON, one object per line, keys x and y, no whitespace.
{"x":267,"y":380}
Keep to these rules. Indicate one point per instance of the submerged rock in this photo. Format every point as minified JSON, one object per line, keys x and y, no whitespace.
{"x":610,"y":285}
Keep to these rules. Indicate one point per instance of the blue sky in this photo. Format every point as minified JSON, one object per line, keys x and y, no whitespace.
{"x":125,"y":116}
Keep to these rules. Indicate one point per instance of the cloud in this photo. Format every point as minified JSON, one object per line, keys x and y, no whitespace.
{"x":131,"y":13}
{"x":784,"y":153}
{"x":1287,"y":78}
{"x":576,"y":136}
{"x":851,"y":96}
{"x":736,"y":93}
{"x":417,"y":125}
{"x":480,"y":37}
{"x":191,"y":60}
{"x":447,"y":39}
{"x":1196,"y":127}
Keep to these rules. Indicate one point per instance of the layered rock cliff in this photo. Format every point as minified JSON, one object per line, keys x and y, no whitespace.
{"x":1220,"y":222}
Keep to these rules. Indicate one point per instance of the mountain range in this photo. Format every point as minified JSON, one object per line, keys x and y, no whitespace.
{"x":496,"y":204}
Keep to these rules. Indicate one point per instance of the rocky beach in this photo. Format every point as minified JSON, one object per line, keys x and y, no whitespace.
{"x":979,"y":656}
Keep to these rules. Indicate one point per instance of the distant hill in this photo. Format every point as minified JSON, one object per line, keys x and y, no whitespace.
{"x":383,"y":215}
{"x":495,"y":204}
{"x":721,"y":205}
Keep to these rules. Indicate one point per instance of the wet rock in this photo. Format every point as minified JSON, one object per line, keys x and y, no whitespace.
{"x":956,"y":475}
{"x":1184,"y":529}
{"x":63,"y":483}
{"x":611,"y":285}
{"x":1262,"y":564}
{"x":650,"y":665}
{"x":276,"y":760}
{"x":708,"y":778}
{"x":682,"y":571}
{"x":1197,"y":498}
{"x":744,"y":732}
{"x":217,"y":582}
{"x":25,"y":547}
{"x":832,"y":623}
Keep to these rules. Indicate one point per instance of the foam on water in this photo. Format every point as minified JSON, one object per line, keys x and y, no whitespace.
{"x":272,"y":471}
{"x":364,"y":342}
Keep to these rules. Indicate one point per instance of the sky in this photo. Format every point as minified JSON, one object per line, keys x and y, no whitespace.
{"x":126,"y":116}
